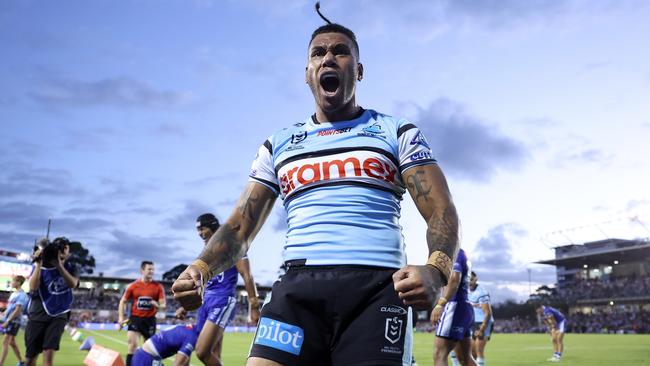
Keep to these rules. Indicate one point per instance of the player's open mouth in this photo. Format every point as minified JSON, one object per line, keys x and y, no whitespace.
{"x":329,"y":82}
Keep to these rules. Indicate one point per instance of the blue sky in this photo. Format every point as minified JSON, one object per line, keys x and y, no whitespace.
{"x":124,"y":121}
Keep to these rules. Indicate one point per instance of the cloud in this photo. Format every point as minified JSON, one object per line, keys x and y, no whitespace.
{"x":170,"y":129}
{"x":187,"y":218}
{"x":25,"y":216}
{"x":466,"y":146}
{"x":589,"y":156}
{"x":280,"y":216}
{"x":18,"y":241}
{"x":494,"y":263}
{"x":121,"y":255}
{"x":118,"y":91}
{"x":23,"y":180}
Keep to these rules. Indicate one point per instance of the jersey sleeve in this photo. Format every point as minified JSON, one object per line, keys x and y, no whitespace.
{"x":262,"y":170}
{"x":128,"y":293}
{"x":414,"y":149}
{"x":161,"y":292}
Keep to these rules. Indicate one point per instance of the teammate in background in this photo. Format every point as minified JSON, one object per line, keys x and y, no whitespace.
{"x":556,"y":323}
{"x":148,"y":297}
{"x":483,"y":320}
{"x":178,"y":340}
{"x":219,"y":302}
{"x":341,"y":173}
{"x":17,"y":305}
{"x":453,"y":317}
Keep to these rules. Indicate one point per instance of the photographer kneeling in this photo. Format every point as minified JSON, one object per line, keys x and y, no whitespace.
{"x":50,"y":289}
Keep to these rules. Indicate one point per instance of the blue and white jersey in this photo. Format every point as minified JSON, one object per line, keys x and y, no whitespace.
{"x":555,"y":313}
{"x":17,"y":298}
{"x":177,"y":339}
{"x":477,"y":298}
{"x":342,"y":185}
{"x":462,"y":266}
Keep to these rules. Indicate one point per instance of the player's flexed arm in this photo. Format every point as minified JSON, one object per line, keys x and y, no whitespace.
{"x":418,"y":285}
{"x":227,"y":245}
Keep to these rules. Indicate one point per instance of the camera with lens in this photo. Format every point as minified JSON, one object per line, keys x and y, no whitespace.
{"x":50,"y":250}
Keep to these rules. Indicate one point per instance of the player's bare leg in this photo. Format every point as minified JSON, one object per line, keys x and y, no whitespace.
{"x":442,"y":348}
{"x":132,"y":341}
{"x":48,"y":357}
{"x":256,"y":361}
{"x":464,"y":352}
{"x":208,"y":346}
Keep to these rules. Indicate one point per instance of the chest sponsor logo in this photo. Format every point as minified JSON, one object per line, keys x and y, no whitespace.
{"x":322,"y":169}
{"x":393,"y":331}
{"x":336,"y":131}
{"x":279,"y":335}
{"x":144,"y":303}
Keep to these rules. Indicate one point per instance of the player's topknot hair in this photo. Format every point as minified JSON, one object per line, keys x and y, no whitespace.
{"x":333,"y":28}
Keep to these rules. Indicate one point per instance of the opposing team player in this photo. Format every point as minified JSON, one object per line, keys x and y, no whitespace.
{"x":178,"y":340}
{"x":453,"y":317}
{"x":479,"y":297}
{"x":341,"y":173}
{"x":556,"y":322}
{"x":148,"y":297}
{"x":219,"y":301}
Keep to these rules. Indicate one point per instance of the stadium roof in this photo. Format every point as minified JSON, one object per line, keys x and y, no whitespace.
{"x":603,"y":252}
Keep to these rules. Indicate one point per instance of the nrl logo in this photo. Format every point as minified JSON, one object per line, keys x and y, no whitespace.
{"x":299,"y":137}
{"x":393,"y":330}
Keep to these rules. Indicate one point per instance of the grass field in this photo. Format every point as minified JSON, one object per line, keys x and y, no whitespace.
{"x":504,"y":349}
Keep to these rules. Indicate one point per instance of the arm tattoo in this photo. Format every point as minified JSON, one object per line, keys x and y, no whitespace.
{"x":246,"y":209}
{"x":223,"y":250}
{"x":418,"y":182}
{"x":442,"y":232}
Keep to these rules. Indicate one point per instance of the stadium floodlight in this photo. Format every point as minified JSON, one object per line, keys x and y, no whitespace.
{"x":615,"y":262}
{"x":585,"y":266}
{"x":611,"y":303}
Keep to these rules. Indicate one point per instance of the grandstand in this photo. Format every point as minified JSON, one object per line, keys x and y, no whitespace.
{"x":604,"y":285}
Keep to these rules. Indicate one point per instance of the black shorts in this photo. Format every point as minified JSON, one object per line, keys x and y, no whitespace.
{"x":12,"y":328}
{"x":43,"y":335}
{"x":144,"y":326}
{"x":335,"y":315}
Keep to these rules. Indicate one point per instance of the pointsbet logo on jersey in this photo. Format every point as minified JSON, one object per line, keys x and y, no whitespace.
{"x":279,"y":335}
{"x":361,"y":167}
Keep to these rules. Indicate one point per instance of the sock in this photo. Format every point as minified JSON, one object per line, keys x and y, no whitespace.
{"x":128,"y":359}
{"x":557,"y":354}
{"x":480,"y":361}
{"x":454,"y":359}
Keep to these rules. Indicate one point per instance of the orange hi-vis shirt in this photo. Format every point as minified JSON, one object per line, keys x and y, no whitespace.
{"x":142,"y":294}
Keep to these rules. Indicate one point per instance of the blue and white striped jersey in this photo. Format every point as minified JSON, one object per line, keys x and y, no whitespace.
{"x":342,"y":185}
{"x":478,"y":297}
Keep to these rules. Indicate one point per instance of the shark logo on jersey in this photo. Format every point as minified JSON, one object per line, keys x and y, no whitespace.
{"x":373,"y":130}
{"x":420,"y":140}
{"x":393,"y":331}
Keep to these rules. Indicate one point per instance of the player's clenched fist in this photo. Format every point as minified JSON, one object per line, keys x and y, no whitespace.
{"x":417,"y":286}
{"x":188,"y":288}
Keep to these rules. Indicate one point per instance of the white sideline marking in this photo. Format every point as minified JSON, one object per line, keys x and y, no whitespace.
{"x":113,"y":339}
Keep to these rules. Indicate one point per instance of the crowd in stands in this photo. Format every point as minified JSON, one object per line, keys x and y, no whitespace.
{"x":604,"y":288}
